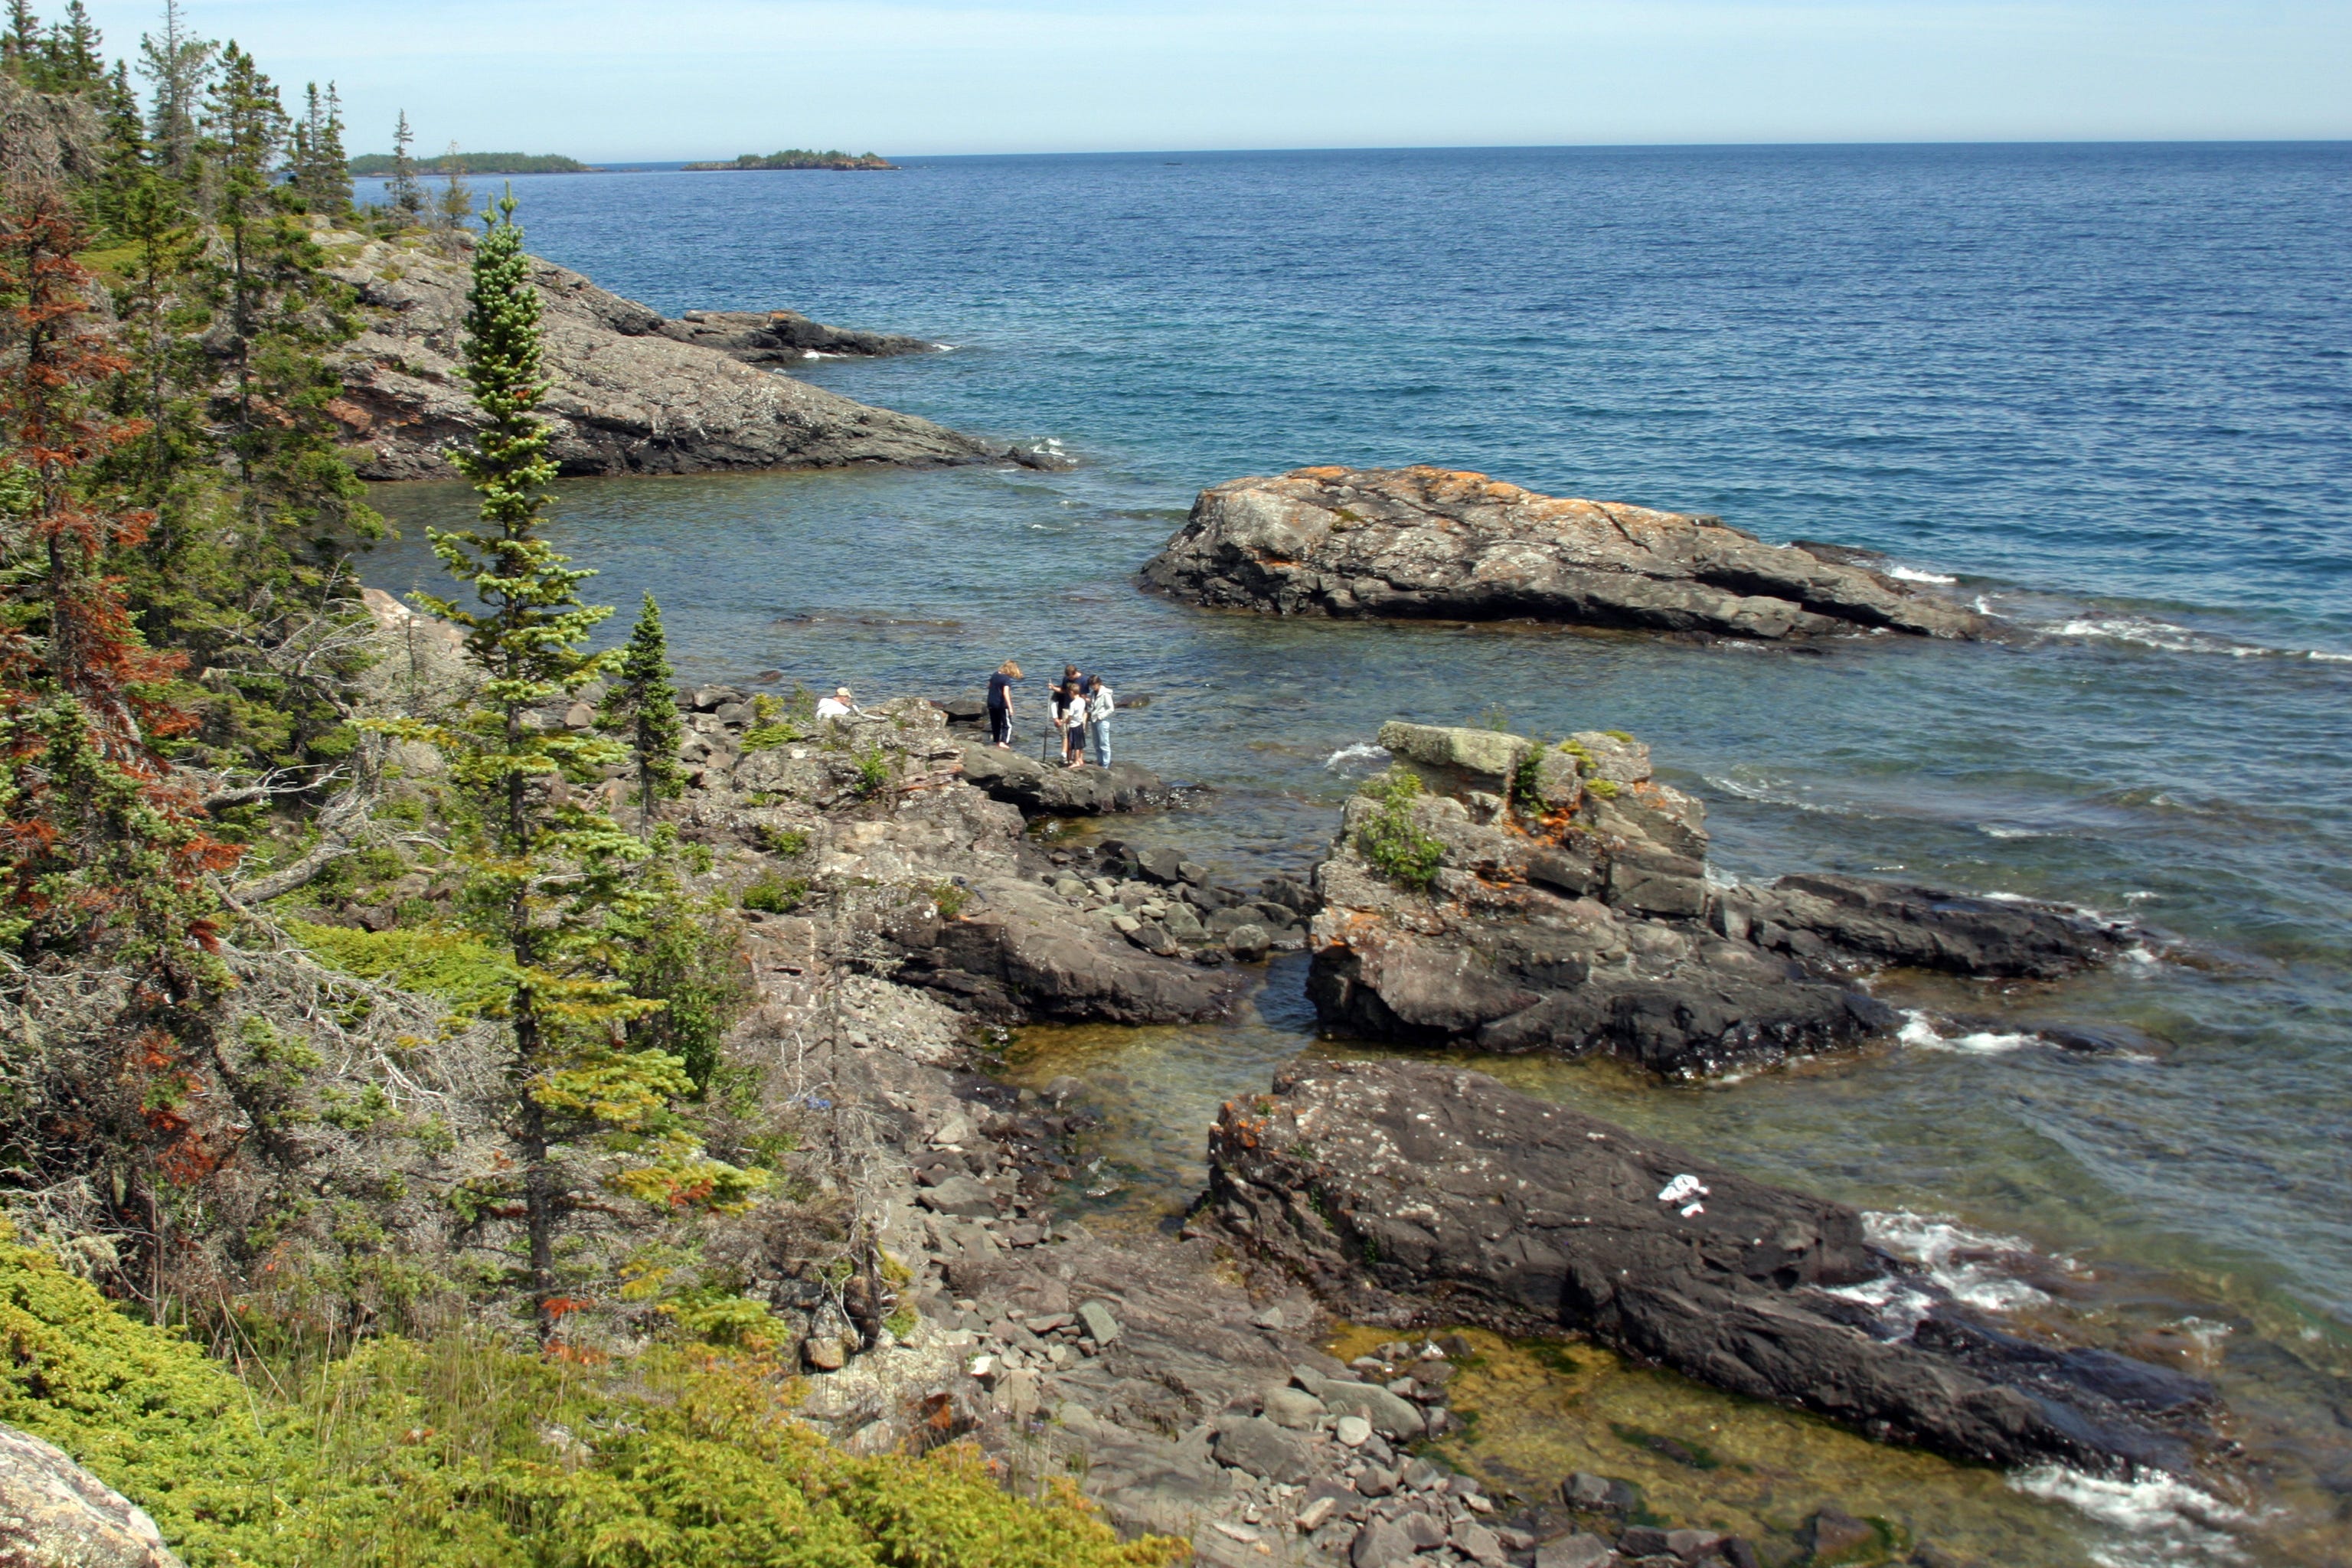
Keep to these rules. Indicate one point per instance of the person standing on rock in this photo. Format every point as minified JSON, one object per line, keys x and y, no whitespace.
{"x":999,"y":704}
{"x":1101,"y":706}
{"x":1073,"y":720}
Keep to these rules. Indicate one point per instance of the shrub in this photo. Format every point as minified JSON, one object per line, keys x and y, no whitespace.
{"x":773,"y":895}
{"x":948,"y":898}
{"x":770,"y":726}
{"x":462,"y":1453}
{"x":787,"y":842}
{"x":1391,"y":842}
{"x":474,"y":978}
{"x":872,"y":769}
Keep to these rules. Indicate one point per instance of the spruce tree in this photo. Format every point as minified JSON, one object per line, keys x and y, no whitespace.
{"x":105,"y":859}
{"x":280,"y":311}
{"x":406,"y":193}
{"x":456,"y":200}
{"x":641,"y":706}
{"x":550,"y":879}
{"x":178,"y":67}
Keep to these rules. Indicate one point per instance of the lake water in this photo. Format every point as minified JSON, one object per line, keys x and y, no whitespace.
{"x":2106,"y":389}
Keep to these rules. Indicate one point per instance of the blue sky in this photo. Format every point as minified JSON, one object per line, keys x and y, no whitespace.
{"x":620,"y":80}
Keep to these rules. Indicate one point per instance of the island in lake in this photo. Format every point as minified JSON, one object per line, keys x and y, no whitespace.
{"x":802,"y":158}
{"x":381,"y":165}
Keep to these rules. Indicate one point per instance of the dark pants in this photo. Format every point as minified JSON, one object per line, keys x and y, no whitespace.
{"x":1000,"y":724}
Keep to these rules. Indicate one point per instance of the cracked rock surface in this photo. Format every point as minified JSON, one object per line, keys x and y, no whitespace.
{"x":1427,"y":542}
{"x":630,"y":392}
{"x":1435,"y":1194}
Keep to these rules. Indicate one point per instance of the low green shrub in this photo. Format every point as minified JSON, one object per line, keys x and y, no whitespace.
{"x":474,"y":978}
{"x":1391,"y":842}
{"x":948,"y":898}
{"x":773,"y":895}
{"x":787,"y":842}
{"x":464,"y":1453}
{"x":873,"y":770}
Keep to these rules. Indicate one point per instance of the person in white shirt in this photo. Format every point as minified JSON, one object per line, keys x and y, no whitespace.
{"x":840,"y":705}
{"x":1099,"y":708}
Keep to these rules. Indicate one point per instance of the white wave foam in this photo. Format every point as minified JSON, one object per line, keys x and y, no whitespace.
{"x":1937,"y":1244}
{"x":2017,"y":832}
{"x":1894,"y":1299}
{"x":1920,"y":1034}
{"x":1347,"y":756}
{"x":1766,"y":794}
{"x":2169,"y":1521}
{"x":1913,"y":574}
{"x":812,"y":353}
{"x":2141,"y":631}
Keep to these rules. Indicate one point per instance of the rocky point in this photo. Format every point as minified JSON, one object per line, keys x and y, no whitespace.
{"x":1434,"y":543}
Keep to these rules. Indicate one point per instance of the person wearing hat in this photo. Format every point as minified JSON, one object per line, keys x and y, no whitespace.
{"x":840,"y":705}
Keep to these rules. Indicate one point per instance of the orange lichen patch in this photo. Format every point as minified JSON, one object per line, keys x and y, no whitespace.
{"x":1324,"y":471}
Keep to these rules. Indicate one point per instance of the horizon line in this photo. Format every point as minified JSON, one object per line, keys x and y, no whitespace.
{"x":1493,"y":147}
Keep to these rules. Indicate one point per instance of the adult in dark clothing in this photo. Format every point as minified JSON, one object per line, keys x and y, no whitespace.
{"x":999,"y":704}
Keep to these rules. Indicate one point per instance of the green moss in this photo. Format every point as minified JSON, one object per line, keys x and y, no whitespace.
{"x":1618,"y":735}
{"x":1607,"y":789}
{"x":474,"y":978}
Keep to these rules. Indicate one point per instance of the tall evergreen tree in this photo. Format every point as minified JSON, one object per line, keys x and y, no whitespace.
{"x":73,"y":49}
{"x":316,"y":165}
{"x":178,"y":67}
{"x":550,"y":879}
{"x":102,"y":854}
{"x":405,"y":193}
{"x":641,"y":706}
{"x":300,"y":498}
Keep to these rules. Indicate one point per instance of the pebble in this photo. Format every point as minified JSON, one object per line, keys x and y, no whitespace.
{"x":1352,"y":1430}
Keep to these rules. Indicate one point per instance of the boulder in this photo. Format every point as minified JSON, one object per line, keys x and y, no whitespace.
{"x":1389,"y":1414}
{"x":1581,"y":918}
{"x":1415,"y":1188}
{"x":55,"y":1514}
{"x":1264,"y":1449}
{"x":1426,"y":542}
{"x":628,"y":391}
{"x":1049,"y":789}
{"x":1019,"y":952}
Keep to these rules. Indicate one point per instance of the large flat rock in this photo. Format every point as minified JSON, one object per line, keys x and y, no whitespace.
{"x":629,"y":391}
{"x":1437,"y":1193}
{"x":1426,"y":542}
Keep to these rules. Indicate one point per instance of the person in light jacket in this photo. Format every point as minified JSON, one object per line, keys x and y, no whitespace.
{"x":1101,"y":706}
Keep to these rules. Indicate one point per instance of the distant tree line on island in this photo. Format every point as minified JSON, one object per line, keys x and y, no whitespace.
{"x":382,"y":165}
{"x":802,"y":158}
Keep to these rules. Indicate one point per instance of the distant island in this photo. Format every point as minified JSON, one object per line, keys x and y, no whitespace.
{"x":802,"y":158}
{"x":379,"y":165}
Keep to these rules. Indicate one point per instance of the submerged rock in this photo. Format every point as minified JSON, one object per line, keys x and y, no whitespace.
{"x":1426,"y":542}
{"x":1437,"y":1192}
{"x":629,"y":391}
{"x":1561,"y":902}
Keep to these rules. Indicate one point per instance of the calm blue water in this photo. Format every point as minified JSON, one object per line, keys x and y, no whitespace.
{"x":2109,"y":389}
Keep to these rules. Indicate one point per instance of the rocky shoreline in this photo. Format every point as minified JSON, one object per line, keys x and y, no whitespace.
{"x":1437,"y":544}
{"x":907,"y":918}
{"x":630,"y":391}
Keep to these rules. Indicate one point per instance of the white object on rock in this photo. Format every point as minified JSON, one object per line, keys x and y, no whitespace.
{"x":1683,"y":1187}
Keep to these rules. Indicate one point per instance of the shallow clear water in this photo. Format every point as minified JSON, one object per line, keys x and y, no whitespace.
{"x":2105,"y":388}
